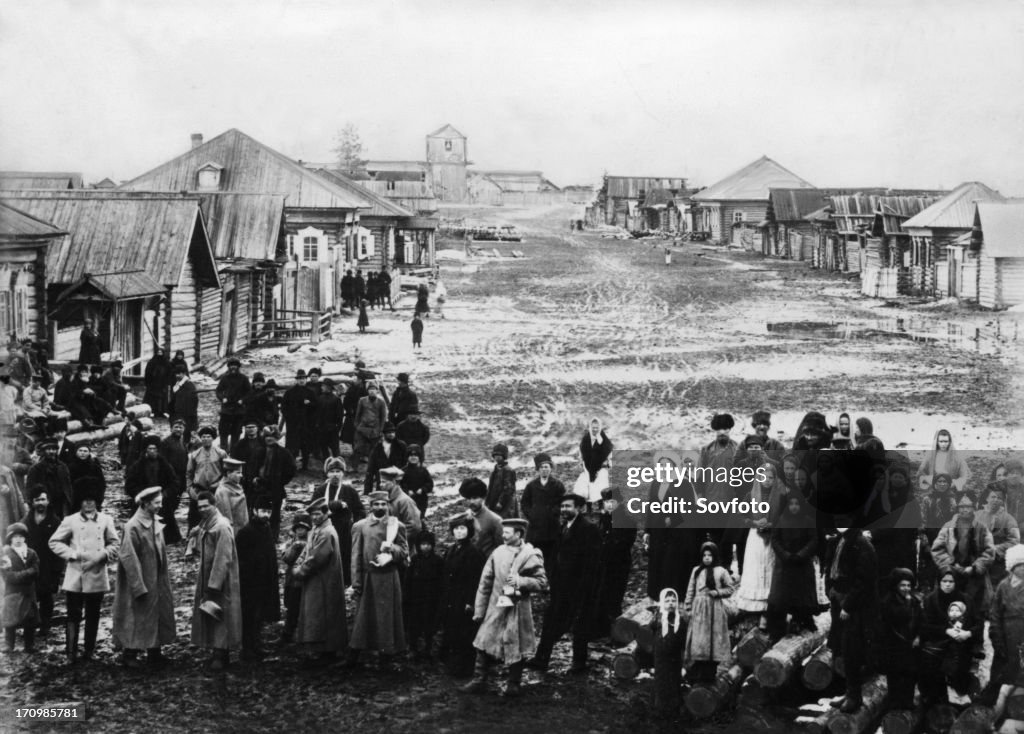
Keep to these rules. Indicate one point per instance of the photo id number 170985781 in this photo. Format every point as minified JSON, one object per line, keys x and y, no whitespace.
{"x":74,"y":711}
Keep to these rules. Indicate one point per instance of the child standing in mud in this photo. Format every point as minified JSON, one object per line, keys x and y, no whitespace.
{"x":364,"y":320}
{"x":417,"y":331}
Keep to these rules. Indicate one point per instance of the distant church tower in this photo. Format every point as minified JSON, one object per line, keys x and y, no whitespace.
{"x":447,"y":159}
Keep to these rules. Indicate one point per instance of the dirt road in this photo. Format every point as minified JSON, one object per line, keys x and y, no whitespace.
{"x":529,"y":350}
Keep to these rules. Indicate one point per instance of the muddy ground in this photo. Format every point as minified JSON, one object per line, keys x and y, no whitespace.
{"x":529,"y":350}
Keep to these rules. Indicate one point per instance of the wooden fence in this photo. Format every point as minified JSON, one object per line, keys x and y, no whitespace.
{"x":290,"y":325}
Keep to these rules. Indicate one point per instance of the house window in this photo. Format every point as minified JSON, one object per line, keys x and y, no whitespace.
{"x":737,"y":217}
{"x":6,"y":314}
{"x":209,"y":176}
{"x":21,"y":311}
{"x":310,"y":249}
{"x":391,"y":185}
{"x":447,"y":144}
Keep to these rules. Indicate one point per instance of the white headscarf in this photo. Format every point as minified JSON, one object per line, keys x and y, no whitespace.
{"x":665,"y":611}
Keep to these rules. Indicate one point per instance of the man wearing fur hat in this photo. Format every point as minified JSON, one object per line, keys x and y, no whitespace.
{"x":487,"y":524}
{"x":322,"y":621}
{"x":573,"y":605}
{"x":463,"y":564}
{"x":388,"y":452}
{"x":87,"y":541}
{"x":501,"y":488}
{"x":42,"y":523}
{"x":52,"y":474}
{"x":371,"y":415}
{"x":719,"y":455}
{"x":257,"y":576}
{"x":346,"y":509}
{"x":379,"y":550}
{"x":403,"y":400}
{"x":761,"y":422}
{"x":542,"y":499}
{"x":217,"y":604}
{"x":205,"y":470}
{"x":298,"y":406}
{"x":272,"y":467}
{"x":153,"y":470}
{"x":143,"y":611}
{"x":232,"y":388}
{"x":514,"y":571}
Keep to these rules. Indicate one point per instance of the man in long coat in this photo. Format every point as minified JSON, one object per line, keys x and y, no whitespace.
{"x":143,"y":611}
{"x":184,"y":401}
{"x":501,"y":487}
{"x":52,"y":474}
{"x":175,"y":449}
{"x":42,"y":523}
{"x":386,"y":453}
{"x":322,"y":620}
{"x":297,"y":412}
{"x":152,"y":470}
{"x":371,"y":415}
{"x":573,"y":604}
{"x":257,"y":577}
{"x":718,"y":455}
{"x":379,"y":550}
{"x":345,"y":508}
{"x":542,"y":499}
{"x":217,"y":606}
{"x":274,"y":465}
{"x":506,"y":632}
{"x":232,"y":389}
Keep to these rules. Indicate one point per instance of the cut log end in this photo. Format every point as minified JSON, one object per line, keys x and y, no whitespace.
{"x":817,"y":673}
{"x":625,"y":666}
{"x":940,"y":717}
{"x":701,"y":701}
{"x":902,"y":721}
{"x":975,"y":719}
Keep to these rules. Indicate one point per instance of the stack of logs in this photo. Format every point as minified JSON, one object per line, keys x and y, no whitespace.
{"x":113,"y":424}
{"x":760,"y":670}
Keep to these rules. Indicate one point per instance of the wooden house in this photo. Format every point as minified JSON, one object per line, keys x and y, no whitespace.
{"x":320,"y":221}
{"x":941,"y":261}
{"x":999,"y":240}
{"x":25,"y":242}
{"x":620,"y":199}
{"x":788,"y":233}
{"x":139,"y":264}
{"x":32,"y":180}
{"x":660,"y":212}
{"x":733,"y":209}
{"x":482,"y":189}
{"x":447,"y":159}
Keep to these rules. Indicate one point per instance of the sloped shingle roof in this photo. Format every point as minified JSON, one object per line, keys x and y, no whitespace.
{"x":752,"y":183}
{"x":956,"y":209}
{"x":11,"y":180}
{"x":16,"y":224}
{"x":791,"y":205}
{"x":446,"y":131}
{"x":1002,"y":228}
{"x":378,"y":205}
{"x":243,"y":226}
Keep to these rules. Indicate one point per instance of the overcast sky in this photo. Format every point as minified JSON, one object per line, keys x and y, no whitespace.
{"x":864,"y":92}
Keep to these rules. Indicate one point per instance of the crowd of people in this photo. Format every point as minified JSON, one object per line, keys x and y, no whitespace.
{"x":910,"y":569}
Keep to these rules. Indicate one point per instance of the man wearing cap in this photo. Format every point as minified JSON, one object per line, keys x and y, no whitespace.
{"x":618,"y":536}
{"x":42,"y":523}
{"x":329,"y":414}
{"x":87,"y":541}
{"x":542,"y":499}
{"x":257,"y":576}
{"x":487,"y":524}
{"x":413,"y":430}
{"x":379,"y":551}
{"x":501,"y":489}
{"x":247,"y":446}
{"x":346,"y":508}
{"x":387,"y":453}
{"x":230,"y":495}
{"x":761,"y":421}
{"x":54,"y":475}
{"x":356,"y":391}
{"x":58,"y":431}
{"x":514,"y":571}
{"x":184,"y":402}
{"x":297,"y":411}
{"x":573,"y":605}
{"x":216,"y":609}
{"x":322,"y":620}
{"x":719,"y":455}
{"x":416,"y":479}
{"x":143,"y":610}
{"x":152,"y":470}
{"x":232,"y":390}
{"x":403,"y":400}
{"x":401,"y":505}
{"x":205,"y":470}
{"x":174,"y":448}
{"x":274,"y":467}
{"x":371,"y":415}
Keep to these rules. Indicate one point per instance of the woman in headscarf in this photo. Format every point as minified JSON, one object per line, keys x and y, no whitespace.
{"x":794,"y":576}
{"x":813,"y":433}
{"x":901,"y":625}
{"x":158,"y":377}
{"x":896,"y":518}
{"x":595,"y":452}
{"x":938,"y":662}
{"x":943,"y":458}
{"x":672,"y":541}
{"x":758,"y":558}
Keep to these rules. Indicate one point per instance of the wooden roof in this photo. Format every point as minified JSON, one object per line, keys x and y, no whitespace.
{"x":956,"y":209}
{"x":855,"y":213}
{"x":630,"y":187}
{"x":18,"y":225}
{"x":378,"y":206}
{"x":119,"y":231}
{"x":243,"y":226}
{"x":248,"y":166}
{"x":791,"y":205}
{"x":752,"y":183}
{"x":117,"y":286}
{"x":12,"y":180}
{"x":446,"y":131}
{"x":1002,"y":228}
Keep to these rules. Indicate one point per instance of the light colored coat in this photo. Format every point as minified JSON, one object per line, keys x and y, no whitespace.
{"x":143,"y":611}
{"x":218,"y":571}
{"x":322,"y":612}
{"x":378,"y":623}
{"x":507,"y":633}
{"x":707,"y":633}
{"x":403,"y":507}
{"x":19,"y":607}
{"x":230,"y":501}
{"x":87,"y":546}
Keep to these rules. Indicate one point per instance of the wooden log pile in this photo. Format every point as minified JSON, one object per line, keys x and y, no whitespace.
{"x":780,"y":663}
{"x":975,"y":719}
{"x":902,"y":721}
{"x":705,"y":701}
{"x":817,"y":671}
{"x":874,"y":692}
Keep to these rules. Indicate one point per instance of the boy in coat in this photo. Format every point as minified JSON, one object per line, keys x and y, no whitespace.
{"x":422,"y":595}
{"x":301,"y":525}
{"x":19,"y":567}
{"x":143,"y":613}
{"x":542,"y":499}
{"x":217,"y":605}
{"x":257,"y":577}
{"x":42,"y":524}
{"x":322,"y":621}
{"x":514,"y":571}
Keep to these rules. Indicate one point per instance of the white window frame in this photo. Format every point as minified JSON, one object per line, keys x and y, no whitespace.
{"x":21,"y":311}
{"x":739,"y":217}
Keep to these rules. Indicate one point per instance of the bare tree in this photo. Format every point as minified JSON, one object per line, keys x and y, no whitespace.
{"x":349,"y":149}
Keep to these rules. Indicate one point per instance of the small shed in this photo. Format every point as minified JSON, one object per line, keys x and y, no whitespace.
{"x":999,"y":232}
{"x":787,"y":232}
{"x":25,"y":241}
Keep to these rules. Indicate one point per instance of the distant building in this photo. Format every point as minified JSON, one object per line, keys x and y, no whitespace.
{"x":25,"y":242}
{"x":18,"y":180}
{"x":447,"y":160}
{"x":620,"y":200}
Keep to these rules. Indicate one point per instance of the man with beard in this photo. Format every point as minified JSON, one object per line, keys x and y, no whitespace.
{"x":42,"y":523}
{"x":1004,"y":528}
{"x":157,"y":378}
{"x":842,"y":437}
{"x":487,"y":533}
{"x":379,"y":550}
{"x":501,"y":488}
{"x":114,"y":390}
{"x":852,"y":579}
{"x":175,"y":450}
{"x":274,"y":466}
{"x":153,"y":470}
{"x":53,"y":475}
{"x":717,"y":456}
{"x":965,"y":546}
{"x":388,"y":452}
{"x":322,"y":619}
{"x":205,"y":469}
{"x":463,"y":564}
{"x":247,"y":446}
{"x":403,"y":399}
{"x":232,"y":389}
{"x":84,"y":464}
{"x":761,"y":421}
{"x":542,"y":498}
{"x":503,"y":608}
{"x":217,"y":605}
{"x":143,"y":610}
{"x":329,"y":414}
{"x":184,"y":402}
{"x":345,"y":508}
{"x":370,"y":418}
{"x":257,"y":577}
{"x":573,"y":587}
{"x":297,"y":411}
{"x":618,"y":536}
{"x":413,"y":430}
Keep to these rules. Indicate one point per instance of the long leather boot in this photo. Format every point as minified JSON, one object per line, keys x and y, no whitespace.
{"x":478,"y":684}
{"x":71,"y":642}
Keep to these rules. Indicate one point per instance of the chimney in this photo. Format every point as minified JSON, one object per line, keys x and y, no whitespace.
{"x":197,"y":140}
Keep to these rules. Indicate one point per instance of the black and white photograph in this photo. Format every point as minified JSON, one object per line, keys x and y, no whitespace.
{"x":512,"y":366}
